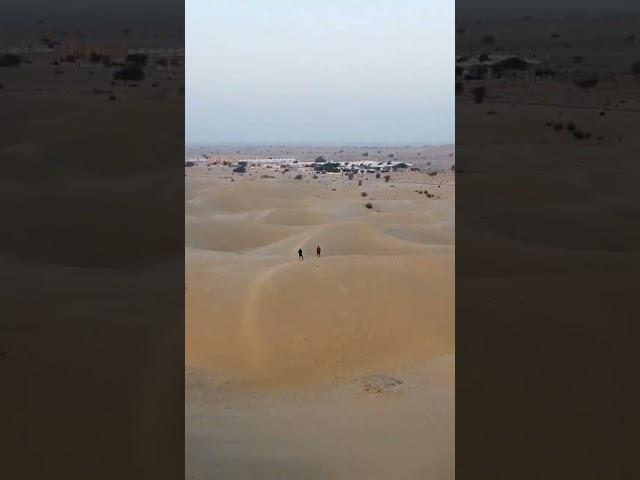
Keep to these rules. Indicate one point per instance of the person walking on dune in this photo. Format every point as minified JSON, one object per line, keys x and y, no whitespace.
{"x":318,"y":250}
{"x":300,"y":256}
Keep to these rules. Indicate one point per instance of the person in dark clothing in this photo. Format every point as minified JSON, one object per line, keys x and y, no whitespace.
{"x":318,"y":250}
{"x":300,"y":256}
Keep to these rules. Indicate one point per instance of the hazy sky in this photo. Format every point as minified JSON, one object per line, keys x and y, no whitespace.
{"x":324,"y":71}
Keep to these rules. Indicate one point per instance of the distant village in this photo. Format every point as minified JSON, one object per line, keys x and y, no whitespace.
{"x":318,"y":166}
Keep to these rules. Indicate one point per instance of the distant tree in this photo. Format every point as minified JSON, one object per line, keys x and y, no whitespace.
{"x":511,"y":63}
{"x":130,"y":73}
{"x":586,"y":83}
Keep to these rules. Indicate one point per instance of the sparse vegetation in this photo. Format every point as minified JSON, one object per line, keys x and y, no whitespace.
{"x":320,"y":160}
{"x":298,"y":177}
{"x":363,"y":194}
{"x":368,"y":205}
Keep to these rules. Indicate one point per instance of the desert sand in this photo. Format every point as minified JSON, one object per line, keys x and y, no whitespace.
{"x":546,"y":251}
{"x":334,"y":367}
{"x":90,"y":363}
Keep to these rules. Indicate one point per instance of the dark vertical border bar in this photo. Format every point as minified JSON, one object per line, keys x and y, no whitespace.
{"x":547,"y":240}
{"x":91,"y":242}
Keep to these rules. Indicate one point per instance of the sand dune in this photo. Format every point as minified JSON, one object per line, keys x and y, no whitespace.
{"x":270,"y":337}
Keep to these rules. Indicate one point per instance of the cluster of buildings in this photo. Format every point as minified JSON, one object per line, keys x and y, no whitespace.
{"x":316,"y":166}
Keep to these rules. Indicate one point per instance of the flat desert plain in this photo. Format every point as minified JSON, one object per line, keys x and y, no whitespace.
{"x":339,"y":366}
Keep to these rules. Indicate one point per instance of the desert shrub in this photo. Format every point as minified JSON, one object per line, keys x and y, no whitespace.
{"x":365,"y":154}
{"x":478,"y":94}
{"x":377,"y":175}
{"x":137,"y":59}
{"x":571,"y":126}
{"x":359,"y":183}
{"x":363,"y":194}
{"x":298,"y":176}
{"x":390,"y":155}
{"x":586,"y":83}
{"x":131,"y":73}
{"x":578,"y":135}
{"x":320,"y":160}
{"x":387,"y":178}
{"x":10,"y":60}
{"x":368,"y":205}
